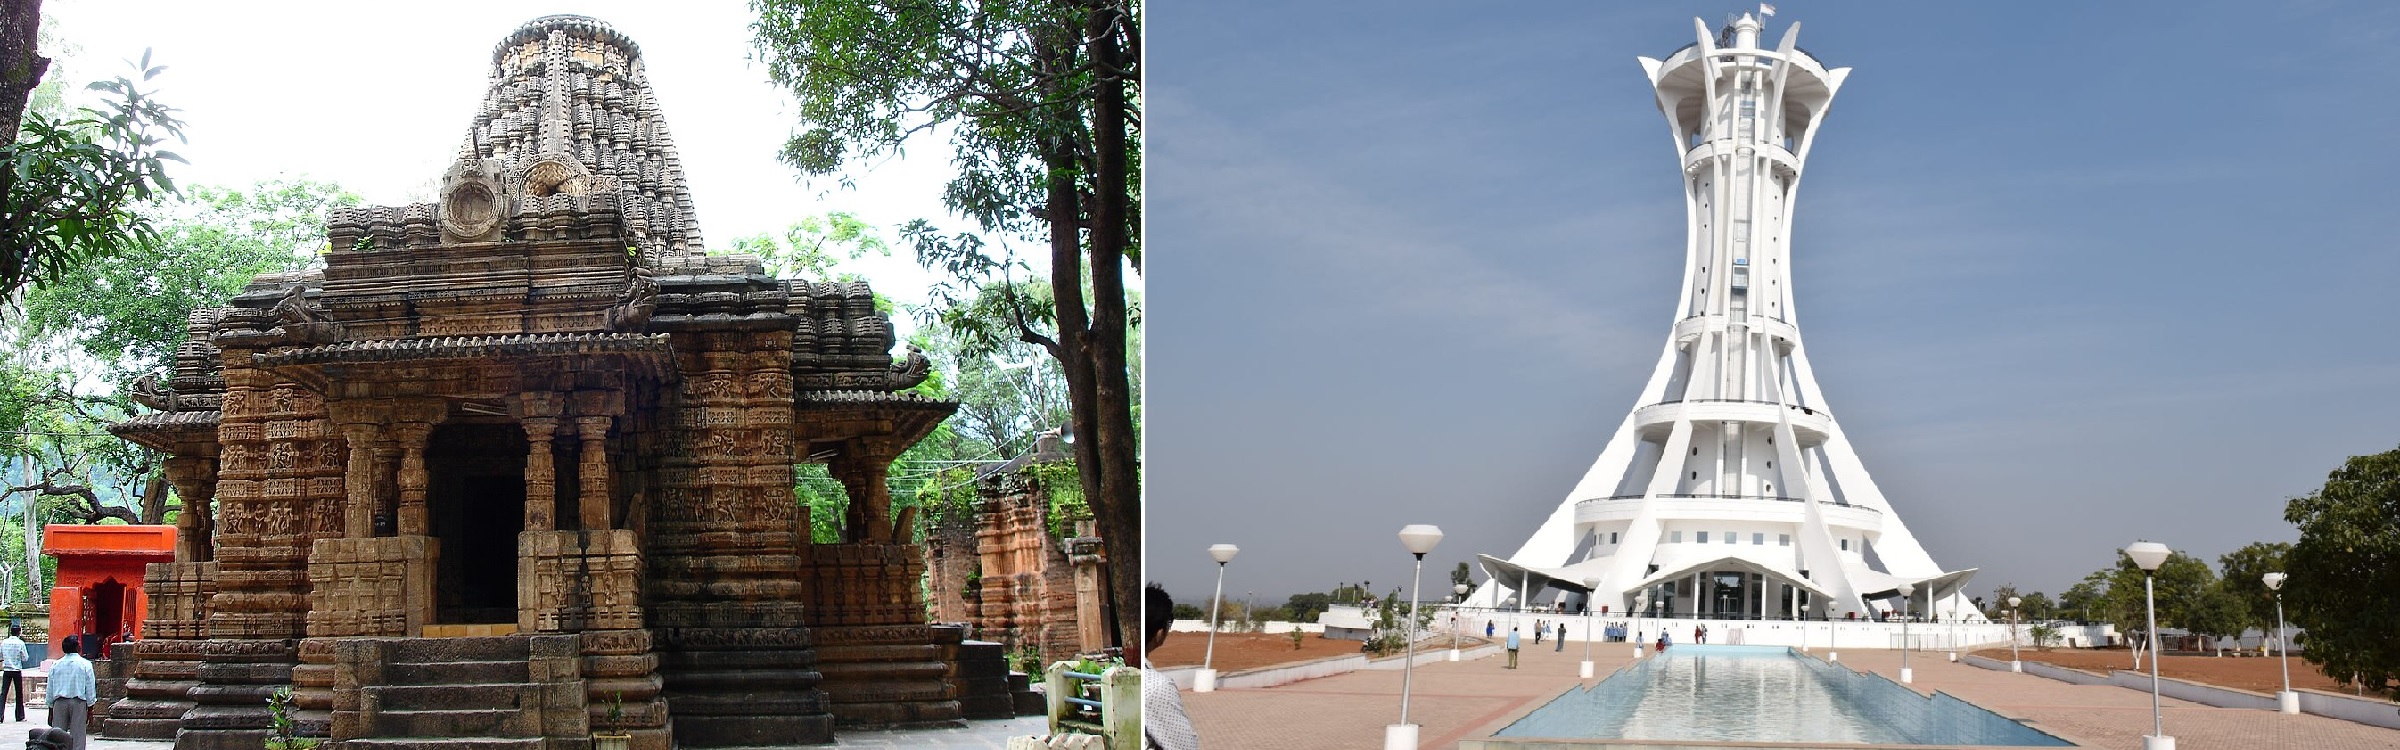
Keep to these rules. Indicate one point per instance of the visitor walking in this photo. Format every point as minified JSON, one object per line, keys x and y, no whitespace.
{"x":1164,"y":724}
{"x":1699,"y":634}
{"x":72,"y":691}
{"x":1487,"y":628}
{"x":1538,"y":630}
{"x":1512,"y":646}
{"x":12,"y":670}
{"x":1561,"y":640}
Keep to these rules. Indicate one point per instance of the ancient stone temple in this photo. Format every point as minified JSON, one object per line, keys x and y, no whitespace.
{"x":1007,"y":572}
{"x":518,"y":464}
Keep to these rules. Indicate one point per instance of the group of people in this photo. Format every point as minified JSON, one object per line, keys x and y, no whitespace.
{"x":73,"y":687}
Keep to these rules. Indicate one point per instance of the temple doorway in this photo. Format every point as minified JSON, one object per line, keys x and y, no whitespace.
{"x":104,"y":610}
{"x":475,"y":498}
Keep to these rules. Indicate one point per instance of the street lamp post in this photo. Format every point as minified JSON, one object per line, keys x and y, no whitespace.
{"x":1461,"y":590}
{"x":2013,"y":664}
{"x":1905,"y":674}
{"x":2150,"y":555}
{"x":2286,"y":701}
{"x":1205,"y":680}
{"x":1587,"y":626}
{"x":1419,"y":539}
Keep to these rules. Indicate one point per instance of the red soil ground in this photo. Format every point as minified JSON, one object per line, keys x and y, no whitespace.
{"x":1240,"y":651}
{"x":2245,"y":673}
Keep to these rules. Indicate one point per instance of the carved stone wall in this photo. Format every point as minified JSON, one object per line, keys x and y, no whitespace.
{"x":572,"y":581}
{"x":376,"y":586}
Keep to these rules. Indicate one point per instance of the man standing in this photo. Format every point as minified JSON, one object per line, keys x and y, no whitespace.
{"x":1561,"y":640}
{"x":1512,"y":646}
{"x":12,"y":670}
{"x":72,"y":691}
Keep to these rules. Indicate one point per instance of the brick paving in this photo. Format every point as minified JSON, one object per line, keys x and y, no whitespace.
{"x":1475,"y":698}
{"x":1449,"y":702}
{"x":2116,"y":717}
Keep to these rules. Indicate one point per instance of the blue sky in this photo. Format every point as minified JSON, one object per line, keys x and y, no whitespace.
{"x":2071,"y":274}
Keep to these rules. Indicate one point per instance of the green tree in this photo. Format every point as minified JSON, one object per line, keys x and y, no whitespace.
{"x":2036,"y":606}
{"x":2345,"y":571}
{"x":2087,"y":600}
{"x":2216,"y":612}
{"x":812,"y":247}
{"x":2245,"y":572}
{"x":68,"y":189}
{"x":129,"y":310}
{"x":1040,"y":98}
{"x":1306,"y":607}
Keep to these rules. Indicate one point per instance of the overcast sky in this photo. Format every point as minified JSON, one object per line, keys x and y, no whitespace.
{"x":2073,"y":274}
{"x":378,"y":96}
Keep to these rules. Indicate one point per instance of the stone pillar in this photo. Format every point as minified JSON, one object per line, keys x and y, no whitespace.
{"x":595,"y":499}
{"x":358,"y":510}
{"x":869,"y":518}
{"x":413,"y":479}
{"x":541,"y":479}
{"x":195,"y":480}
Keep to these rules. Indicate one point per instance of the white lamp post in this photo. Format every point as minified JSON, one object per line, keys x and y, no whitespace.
{"x":2286,"y":701}
{"x":1419,"y":539}
{"x":1461,"y":590}
{"x":1905,"y":674}
{"x":2150,"y":555}
{"x":2013,"y":664}
{"x":1205,"y":680}
{"x":1594,"y":583}
{"x":1641,"y":605}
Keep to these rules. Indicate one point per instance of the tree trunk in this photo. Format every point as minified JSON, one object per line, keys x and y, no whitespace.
{"x":154,"y":500}
{"x":21,"y":62}
{"x":1117,"y":448}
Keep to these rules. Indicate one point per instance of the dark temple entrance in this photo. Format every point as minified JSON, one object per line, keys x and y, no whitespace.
{"x":475,"y":497}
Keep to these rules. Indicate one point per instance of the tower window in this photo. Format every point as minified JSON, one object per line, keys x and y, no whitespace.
{"x":1612,"y":537}
{"x":1783,"y":540}
{"x":1677,"y":537}
{"x":1759,"y":539}
{"x":1845,"y":545}
{"x":1695,"y":475}
{"x":1704,"y":537}
{"x":1730,"y":539}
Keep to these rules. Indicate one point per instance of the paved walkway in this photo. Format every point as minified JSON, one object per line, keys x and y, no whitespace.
{"x":1476,"y":698}
{"x":1449,"y":702}
{"x":2116,"y":717}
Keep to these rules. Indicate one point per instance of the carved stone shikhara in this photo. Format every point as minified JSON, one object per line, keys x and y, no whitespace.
{"x":529,"y":445}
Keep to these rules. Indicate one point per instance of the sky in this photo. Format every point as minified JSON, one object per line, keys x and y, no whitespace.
{"x":377,"y":97}
{"x":2073,"y":274}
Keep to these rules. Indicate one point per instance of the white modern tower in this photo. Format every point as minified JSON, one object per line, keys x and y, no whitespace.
{"x":1730,"y":490}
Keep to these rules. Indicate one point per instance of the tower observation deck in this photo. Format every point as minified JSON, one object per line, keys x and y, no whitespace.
{"x":1729,"y":491}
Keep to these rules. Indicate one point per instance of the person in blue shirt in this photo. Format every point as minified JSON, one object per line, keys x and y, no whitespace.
{"x":12,"y":669}
{"x":72,"y":690}
{"x":1512,"y":646}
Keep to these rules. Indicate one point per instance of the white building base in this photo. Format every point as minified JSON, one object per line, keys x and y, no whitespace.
{"x":1204,"y":681}
{"x":1404,"y":737}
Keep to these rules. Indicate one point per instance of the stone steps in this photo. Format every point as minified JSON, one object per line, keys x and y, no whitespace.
{"x":468,"y":672}
{"x":509,"y":697}
{"x":452,"y":723}
{"x":453,"y":743}
{"x":470,"y":693}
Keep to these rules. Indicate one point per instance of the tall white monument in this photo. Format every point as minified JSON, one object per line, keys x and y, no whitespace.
{"x":1730,"y":490}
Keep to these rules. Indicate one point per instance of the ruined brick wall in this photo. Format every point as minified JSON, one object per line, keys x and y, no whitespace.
{"x":1027,"y":596}
{"x":952,"y":559}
